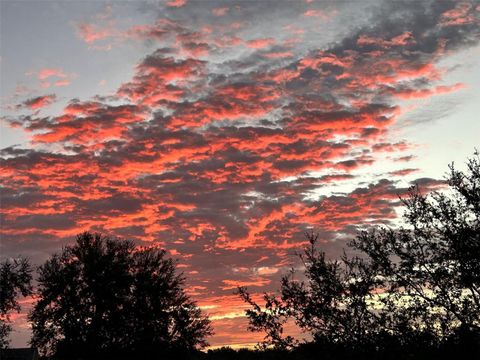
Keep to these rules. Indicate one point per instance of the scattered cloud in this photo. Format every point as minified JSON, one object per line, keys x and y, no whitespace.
{"x":176,"y":3}
{"x":39,"y":102}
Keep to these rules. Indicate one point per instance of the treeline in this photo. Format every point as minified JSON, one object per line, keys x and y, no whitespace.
{"x":406,"y":293}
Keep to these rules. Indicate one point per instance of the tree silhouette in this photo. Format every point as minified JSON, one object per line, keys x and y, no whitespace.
{"x":332,"y":304}
{"x":105,"y":297}
{"x":417,"y":286}
{"x":15,"y":279}
{"x":432,"y":267}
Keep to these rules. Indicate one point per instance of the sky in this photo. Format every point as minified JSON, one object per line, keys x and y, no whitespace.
{"x":223,"y":130}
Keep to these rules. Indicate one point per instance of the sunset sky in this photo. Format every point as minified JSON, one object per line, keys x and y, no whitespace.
{"x":223,"y":130}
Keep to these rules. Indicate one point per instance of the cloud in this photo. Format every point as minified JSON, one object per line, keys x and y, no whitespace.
{"x":63,"y":82}
{"x":425,"y":93}
{"x":98,"y":28}
{"x":313,"y":13}
{"x":233,"y":284}
{"x":56,"y":76}
{"x":223,"y":153}
{"x":463,"y":13}
{"x":39,"y":102}
{"x":260,"y":43}
{"x":176,"y":3}
{"x":46,"y":73}
{"x":221,"y":11}
{"x":90,"y":33}
{"x":230,"y":146}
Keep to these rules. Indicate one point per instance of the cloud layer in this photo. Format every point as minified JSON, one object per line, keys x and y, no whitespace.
{"x":220,"y":146}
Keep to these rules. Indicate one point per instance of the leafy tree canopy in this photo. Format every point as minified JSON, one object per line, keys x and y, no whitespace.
{"x":416,"y":286}
{"x":105,"y":297}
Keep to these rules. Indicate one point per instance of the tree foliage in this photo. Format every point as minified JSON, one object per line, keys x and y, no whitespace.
{"x":417,"y":285}
{"x":15,"y":281}
{"x":433,"y":266}
{"x":331,"y":304}
{"x":104,"y":297}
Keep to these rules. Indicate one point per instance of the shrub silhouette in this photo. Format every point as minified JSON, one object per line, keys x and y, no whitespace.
{"x":104,"y":298}
{"x":415,"y":288}
{"x":15,"y":280}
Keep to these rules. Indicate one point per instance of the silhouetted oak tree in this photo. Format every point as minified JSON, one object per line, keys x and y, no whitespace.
{"x":432,"y":266}
{"x":15,"y":280}
{"x":418,"y":285}
{"x":332,"y":303}
{"x":104,"y":297}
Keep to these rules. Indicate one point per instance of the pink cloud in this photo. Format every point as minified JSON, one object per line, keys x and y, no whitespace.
{"x":220,"y":11}
{"x":63,"y":82}
{"x":90,"y":33}
{"x":462,"y":14}
{"x":176,"y":3}
{"x":39,"y":102}
{"x":45,"y":76}
{"x":278,"y":54}
{"x":312,"y":13}
{"x":405,"y":38}
{"x":425,"y":93}
{"x":260,"y":43}
{"x":50,"y":72}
